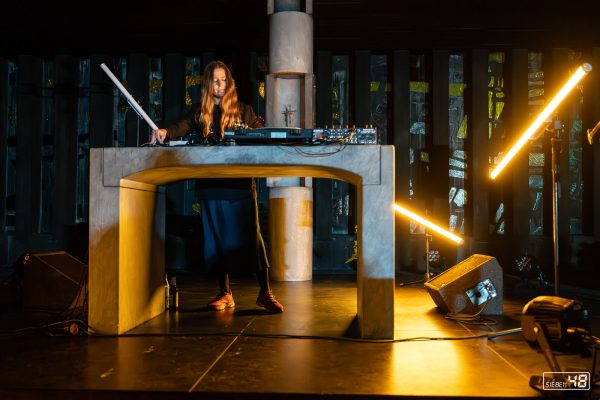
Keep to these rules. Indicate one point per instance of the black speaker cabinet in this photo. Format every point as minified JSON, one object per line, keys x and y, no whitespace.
{"x":53,"y":281}
{"x":468,"y":286}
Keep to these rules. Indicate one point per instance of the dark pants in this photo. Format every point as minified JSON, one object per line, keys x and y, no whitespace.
{"x":229,"y":235}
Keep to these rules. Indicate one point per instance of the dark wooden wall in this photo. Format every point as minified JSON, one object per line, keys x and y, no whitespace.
{"x":238,"y":31}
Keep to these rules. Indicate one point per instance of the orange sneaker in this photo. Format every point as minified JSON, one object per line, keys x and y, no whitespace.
{"x":222,"y":301}
{"x":266,"y":300}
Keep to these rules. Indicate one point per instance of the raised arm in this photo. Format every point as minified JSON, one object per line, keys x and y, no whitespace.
{"x":178,"y":129}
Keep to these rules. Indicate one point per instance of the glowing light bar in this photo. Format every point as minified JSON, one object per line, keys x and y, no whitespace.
{"x":428,"y":224}
{"x":543,"y":116}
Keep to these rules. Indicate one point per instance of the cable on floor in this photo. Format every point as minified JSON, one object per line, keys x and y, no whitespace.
{"x":472,"y":319}
{"x":66,"y":328}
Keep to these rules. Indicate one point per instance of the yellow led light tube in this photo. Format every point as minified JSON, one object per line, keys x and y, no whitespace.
{"x":428,"y":224}
{"x":564,"y":91}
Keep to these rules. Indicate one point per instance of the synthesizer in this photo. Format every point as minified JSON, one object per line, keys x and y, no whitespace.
{"x":269,"y":134}
{"x":346,"y":135}
{"x":272,"y":135}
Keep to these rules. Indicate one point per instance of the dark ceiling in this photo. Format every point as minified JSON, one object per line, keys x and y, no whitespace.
{"x":157,"y":27}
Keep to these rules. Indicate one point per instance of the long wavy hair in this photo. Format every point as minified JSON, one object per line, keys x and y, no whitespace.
{"x":230,"y":106}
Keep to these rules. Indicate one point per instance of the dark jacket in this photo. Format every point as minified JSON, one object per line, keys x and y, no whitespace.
{"x":222,"y":189}
{"x":189,"y":123}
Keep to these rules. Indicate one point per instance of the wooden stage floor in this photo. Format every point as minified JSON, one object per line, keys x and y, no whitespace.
{"x":247,"y":354}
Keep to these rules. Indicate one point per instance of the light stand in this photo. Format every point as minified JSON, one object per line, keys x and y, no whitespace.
{"x":556,"y":143}
{"x":428,"y":275}
{"x":428,"y":238}
{"x":579,"y":74}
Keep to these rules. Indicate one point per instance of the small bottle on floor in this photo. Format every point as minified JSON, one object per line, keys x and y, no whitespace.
{"x":167,"y":293}
{"x":173,"y":295}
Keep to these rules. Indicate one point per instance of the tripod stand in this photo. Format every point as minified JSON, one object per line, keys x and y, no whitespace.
{"x":428,"y":275}
{"x":556,"y":149}
{"x":428,"y":238}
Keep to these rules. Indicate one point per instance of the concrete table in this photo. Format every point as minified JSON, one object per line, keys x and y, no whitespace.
{"x":127,"y":221}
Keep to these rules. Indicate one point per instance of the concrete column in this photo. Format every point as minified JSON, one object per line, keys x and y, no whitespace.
{"x":290,"y":82}
{"x":292,"y":208}
{"x":290,"y":103}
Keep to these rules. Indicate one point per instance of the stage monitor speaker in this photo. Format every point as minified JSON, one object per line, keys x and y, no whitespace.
{"x":53,"y":281}
{"x":469,"y":286}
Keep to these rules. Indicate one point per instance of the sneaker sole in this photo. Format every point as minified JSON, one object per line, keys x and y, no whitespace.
{"x":221,"y":308}
{"x":277,"y":311}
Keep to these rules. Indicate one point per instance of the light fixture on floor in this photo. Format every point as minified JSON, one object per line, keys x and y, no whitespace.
{"x":552,"y":323}
{"x":561,"y":324}
{"x":529,"y":270}
{"x":435,"y":259}
{"x":543,"y":119}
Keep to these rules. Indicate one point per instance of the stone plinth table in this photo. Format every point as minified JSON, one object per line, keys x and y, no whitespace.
{"x":127,"y":221}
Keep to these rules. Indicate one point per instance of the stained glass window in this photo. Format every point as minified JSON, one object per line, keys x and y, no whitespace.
{"x":193,"y":80}
{"x":573,"y":133}
{"x":340,"y":191}
{"x":339,"y":90}
{"x":44,"y":224}
{"x":120,"y":106}
{"x":341,"y":207}
{"x":457,"y":171}
{"x":193,"y":88}
{"x":419,"y":129}
{"x":380,"y":90}
{"x":11,"y":142}
{"x":496,"y":133}
{"x":262,"y":71}
{"x":156,"y":92}
{"x":83,"y":140}
{"x":536,"y":152}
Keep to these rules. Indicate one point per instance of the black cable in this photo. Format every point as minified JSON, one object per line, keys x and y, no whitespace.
{"x":71,"y":311}
{"x":65,"y":328}
{"x":401,"y":284}
{"x":304,"y":153}
{"x":493,"y":335}
{"x":68,"y":312}
{"x":287,"y":336}
{"x":472,"y":319}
